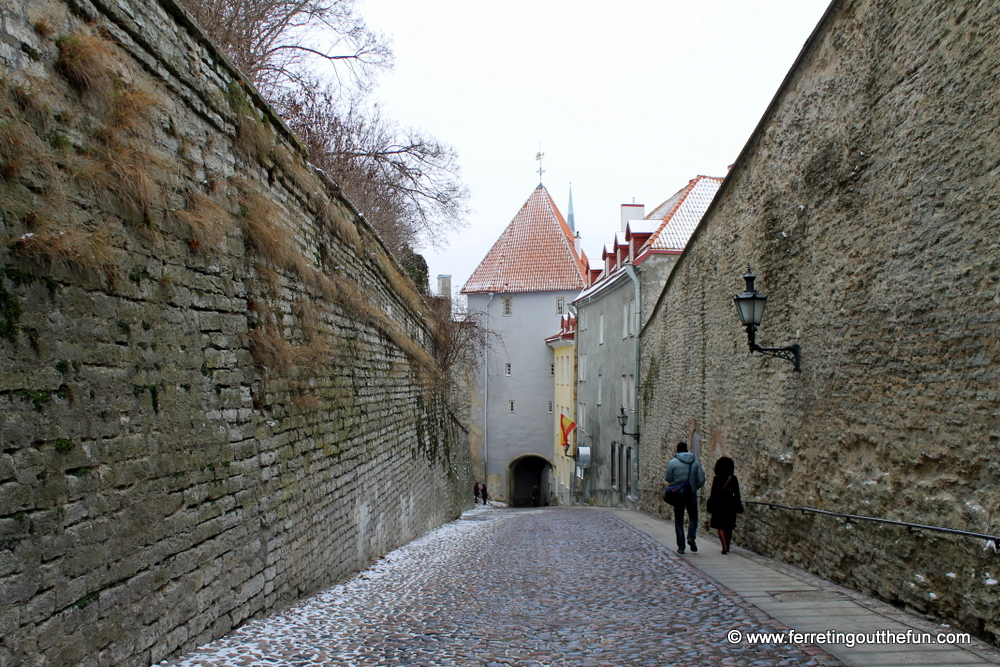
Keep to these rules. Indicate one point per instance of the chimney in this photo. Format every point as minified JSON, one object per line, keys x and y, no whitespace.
{"x":577,"y":244}
{"x":632,"y":212}
{"x":444,"y":287}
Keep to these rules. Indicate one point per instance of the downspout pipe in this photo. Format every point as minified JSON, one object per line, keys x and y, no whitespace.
{"x":631,"y":273}
{"x":486,"y":398}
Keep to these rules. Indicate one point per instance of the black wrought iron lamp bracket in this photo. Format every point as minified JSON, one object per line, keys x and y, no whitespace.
{"x":792,"y":353}
{"x":623,"y":419}
{"x":750,"y":308}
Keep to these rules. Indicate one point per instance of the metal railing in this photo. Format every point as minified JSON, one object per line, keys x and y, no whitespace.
{"x":911,"y":527}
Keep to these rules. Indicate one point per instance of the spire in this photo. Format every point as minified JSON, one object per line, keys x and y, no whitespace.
{"x":538,"y":156}
{"x":569,"y":219}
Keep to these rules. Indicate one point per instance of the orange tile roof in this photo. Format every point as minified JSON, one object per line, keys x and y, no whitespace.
{"x":536,"y":253}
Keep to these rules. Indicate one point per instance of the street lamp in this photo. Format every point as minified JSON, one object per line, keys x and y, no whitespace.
{"x":750,"y":308}
{"x":623,"y":420}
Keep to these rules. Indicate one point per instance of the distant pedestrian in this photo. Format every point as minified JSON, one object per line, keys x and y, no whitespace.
{"x":536,"y":496}
{"x":684,"y":466}
{"x":724,"y":503}
{"x":476,"y":492}
{"x":482,"y":492}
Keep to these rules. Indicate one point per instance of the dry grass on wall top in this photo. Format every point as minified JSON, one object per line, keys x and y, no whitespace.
{"x":42,"y":170}
{"x":112,"y":122}
{"x":261,"y":221}
{"x":88,"y":61}
{"x":335,"y":221}
{"x":36,"y":184}
{"x":207,"y":222}
{"x":254,"y":136}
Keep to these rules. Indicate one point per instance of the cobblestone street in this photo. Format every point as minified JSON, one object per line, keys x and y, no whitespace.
{"x":515,"y":587}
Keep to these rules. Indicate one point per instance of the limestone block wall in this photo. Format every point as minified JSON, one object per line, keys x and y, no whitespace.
{"x":217,"y":392}
{"x":867,"y":204}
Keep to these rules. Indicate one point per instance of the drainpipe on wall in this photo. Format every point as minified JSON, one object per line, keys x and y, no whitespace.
{"x":630,"y":272}
{"x":486,"y":398}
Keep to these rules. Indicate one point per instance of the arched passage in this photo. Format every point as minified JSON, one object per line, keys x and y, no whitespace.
{"x":529,"y":480}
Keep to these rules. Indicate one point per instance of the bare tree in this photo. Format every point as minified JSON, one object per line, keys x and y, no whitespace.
{"x":275,"y":42}
{"x":461,"y":340}
{"x":405,"y":183}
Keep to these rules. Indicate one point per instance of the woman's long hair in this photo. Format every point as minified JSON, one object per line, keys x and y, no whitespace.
{"x":724,"y":467}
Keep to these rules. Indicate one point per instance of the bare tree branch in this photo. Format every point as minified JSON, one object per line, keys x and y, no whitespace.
{"x":404,"y":182}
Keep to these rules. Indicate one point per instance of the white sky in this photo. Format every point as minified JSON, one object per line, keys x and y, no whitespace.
{"x":628,"y":100}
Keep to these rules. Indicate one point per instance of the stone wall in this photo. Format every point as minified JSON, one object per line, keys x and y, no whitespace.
{"x":216,"y":392}
{"x":867,"y":204}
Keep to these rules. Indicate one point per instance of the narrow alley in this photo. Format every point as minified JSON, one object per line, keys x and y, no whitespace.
{"x":556,"y":586}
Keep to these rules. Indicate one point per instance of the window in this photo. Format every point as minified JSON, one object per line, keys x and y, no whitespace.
{"x":599,"y":387}
{"x":511,"y":408}
{"x":600,"y":330}
{"x":582,"y":321}
{"x":506,"y":305}
{"x":581,"y":416}
{"x":560,"y":305}
{"x":552,"y":370}
{"x":628,"y":471}
{"x":614,"y":465}
{"x":550,"y":407}
{"x":625,"y":319}
{"x":583,"y":368}
{"x":506,"y":370}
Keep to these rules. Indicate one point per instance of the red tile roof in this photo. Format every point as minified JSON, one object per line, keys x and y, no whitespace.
{"x":536,"y":253}
{"x":681,"y":213}
{"x":567,"y":330}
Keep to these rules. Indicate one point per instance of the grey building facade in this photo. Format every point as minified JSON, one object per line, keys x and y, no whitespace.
{"x":523,"y":287}
{"x":610,"y":316}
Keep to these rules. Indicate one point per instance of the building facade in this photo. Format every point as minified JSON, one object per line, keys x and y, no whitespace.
{"x":524,"y":286}
{"x":610,"y":314}
{"x":564,"y":434}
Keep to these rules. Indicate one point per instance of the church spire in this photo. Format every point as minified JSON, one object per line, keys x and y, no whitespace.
{"x":569,"y":219}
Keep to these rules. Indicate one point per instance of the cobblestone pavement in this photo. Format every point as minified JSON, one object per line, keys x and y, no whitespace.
{"x":525,"y":588}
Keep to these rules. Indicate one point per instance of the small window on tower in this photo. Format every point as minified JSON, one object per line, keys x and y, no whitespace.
{"x":552,"y":370}
{"x":550,"y":407}
{"x":560,"y":305}
{"x":506,"y":370}
{"x":506,"y":306}
{"x":511,"y":409}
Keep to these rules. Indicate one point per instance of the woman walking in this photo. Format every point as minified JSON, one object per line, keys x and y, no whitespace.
{"x":724,"y":503}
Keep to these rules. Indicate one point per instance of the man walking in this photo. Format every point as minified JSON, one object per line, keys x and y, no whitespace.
{"x":684,"y":466}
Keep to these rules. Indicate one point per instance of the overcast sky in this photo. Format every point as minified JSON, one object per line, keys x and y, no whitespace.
{"x":628,"y":99}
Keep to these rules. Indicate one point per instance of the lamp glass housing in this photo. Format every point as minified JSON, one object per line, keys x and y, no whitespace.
{"x":750,"y":304}
{"x":622,"y":418}
{"x":751,"y":308}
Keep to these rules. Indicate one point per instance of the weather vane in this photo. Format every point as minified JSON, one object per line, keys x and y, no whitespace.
{"x":538,"y":156}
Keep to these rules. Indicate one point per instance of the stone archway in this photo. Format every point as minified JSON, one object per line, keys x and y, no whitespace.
{"x":530,"y":481}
